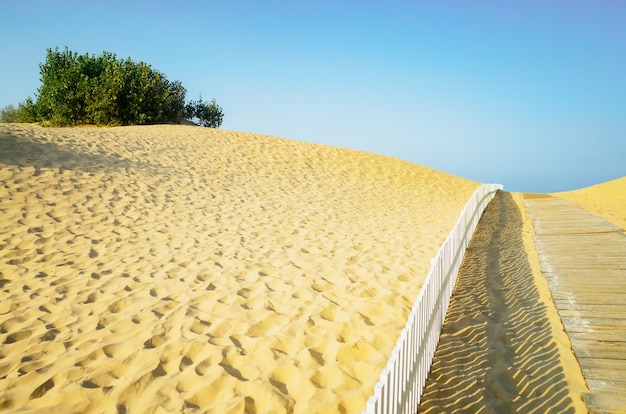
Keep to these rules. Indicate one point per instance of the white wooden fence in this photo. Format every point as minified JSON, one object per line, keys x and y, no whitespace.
{"x":402,"y":381}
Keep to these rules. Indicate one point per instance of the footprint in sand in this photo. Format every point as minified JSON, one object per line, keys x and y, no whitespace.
{"x":50,"y":334}
{"x":103,"y":380}
{"x":17,"y":336}
{"x":114,"y":350}
{"x":328,"y":377}
{"x":154,"y":342}
{"x":271,"y":323}
{"x":287,"y":379}
{"x":41,"y":390}
{"x":199,"y":326}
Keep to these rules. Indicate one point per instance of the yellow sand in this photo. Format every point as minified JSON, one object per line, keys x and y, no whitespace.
{"x":169,"y":268}
{"x":607,"y":200}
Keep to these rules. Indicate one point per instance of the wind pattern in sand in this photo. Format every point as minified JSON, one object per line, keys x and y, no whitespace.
{"x":168,"y":268}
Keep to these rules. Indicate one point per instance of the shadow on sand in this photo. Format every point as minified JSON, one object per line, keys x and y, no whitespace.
{"x":496,"y":353}
{"x":27,"y":151}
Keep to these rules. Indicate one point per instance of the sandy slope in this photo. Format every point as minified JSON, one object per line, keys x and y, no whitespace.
{"x":607,"y":200}
{"x":161,"y":268}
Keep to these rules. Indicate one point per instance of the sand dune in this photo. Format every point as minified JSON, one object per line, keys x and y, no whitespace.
{"x":169,"y":268}
{"x":607,"y":200}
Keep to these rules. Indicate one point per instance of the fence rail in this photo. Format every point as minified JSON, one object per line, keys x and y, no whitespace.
{"x":402,"y":381}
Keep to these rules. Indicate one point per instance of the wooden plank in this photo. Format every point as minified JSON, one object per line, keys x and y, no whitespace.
{"x":598,"y":314}
{"x":590,"y":290}
{"x":606,"y":402}
{"x":604,"y":350}
{"x":599,"y":373}
{"x":583,"y":258}
{"x":594,"y":308}
{"x":608,"y":385}
{"x":594,"y":292}
{"x":592,"y":332}
{"x":607,"y":364}
{"x":592,"y":298}
{"x":597,"y":335}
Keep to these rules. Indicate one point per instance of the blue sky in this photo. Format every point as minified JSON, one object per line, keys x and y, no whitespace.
{"x":528,"y":94}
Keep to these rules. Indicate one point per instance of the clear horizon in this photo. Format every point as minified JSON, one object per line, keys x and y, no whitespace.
{"x":531,"y":96}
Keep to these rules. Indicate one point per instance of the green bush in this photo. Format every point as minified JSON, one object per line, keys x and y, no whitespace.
{"x":8,"y":114}
{"x":103,"y":90}
{"x":23,"y":113}
{"x":27,"y":111}
{"x":206,"y":114}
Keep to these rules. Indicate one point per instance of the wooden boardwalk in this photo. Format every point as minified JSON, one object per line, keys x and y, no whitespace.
{"x":583,"y":257}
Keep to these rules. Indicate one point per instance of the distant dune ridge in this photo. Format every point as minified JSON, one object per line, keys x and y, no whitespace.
{"x":167,"y":268}
{"x":607,"y":200}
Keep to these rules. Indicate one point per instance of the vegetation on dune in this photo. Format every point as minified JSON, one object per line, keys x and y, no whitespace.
{"x":8,"y":114}
{"x":208,"y":114}
{"x":20,"y":114}
{"x":104,"y":90}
